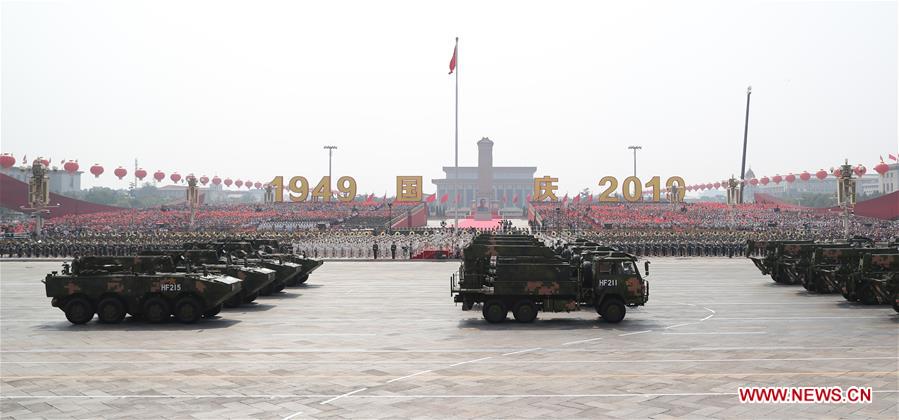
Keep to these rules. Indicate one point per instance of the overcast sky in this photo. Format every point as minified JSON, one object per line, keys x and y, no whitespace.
{"x":254,"y":89}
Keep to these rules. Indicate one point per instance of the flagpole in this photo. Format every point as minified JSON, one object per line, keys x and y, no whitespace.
{"x":456,"y":183}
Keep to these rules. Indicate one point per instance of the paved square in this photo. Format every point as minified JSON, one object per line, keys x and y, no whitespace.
{"x":367,"y":340}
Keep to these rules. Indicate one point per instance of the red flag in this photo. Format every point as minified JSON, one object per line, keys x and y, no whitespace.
{"x":577,"y":199}
{"x":431,"y":198}
{"x":893,"y":157}
{"x":565,"y":200}
{"x":445,"y":198}
{"x":453,"y":60}
{"x":515,"y":199}
{"x":589,"y":198}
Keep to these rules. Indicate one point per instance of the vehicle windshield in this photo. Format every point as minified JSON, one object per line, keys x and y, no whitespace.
{"x":628,"y":268}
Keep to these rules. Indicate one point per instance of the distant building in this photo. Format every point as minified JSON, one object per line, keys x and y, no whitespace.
{"x":61,"y":182}
{"x":505,"y":182}
{"x":889,"y":182}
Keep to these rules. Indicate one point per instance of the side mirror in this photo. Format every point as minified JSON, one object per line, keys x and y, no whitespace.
{"x":646,"y":268}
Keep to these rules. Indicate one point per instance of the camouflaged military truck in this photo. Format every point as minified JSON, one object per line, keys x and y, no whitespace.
{"x":290,"y":269}
{"x":831,"y":267}
{"x":874,"y":281}
{"x":146,"y":287}
{"x":254,"y":278}
{"x":525,"y":277}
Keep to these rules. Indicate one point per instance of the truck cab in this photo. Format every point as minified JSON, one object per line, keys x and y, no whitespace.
{"x":612,"y":281}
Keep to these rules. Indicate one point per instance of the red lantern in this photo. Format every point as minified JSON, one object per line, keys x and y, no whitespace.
{"x":689,"y":188}
{"x":258,"y":185}
{"x":838,"y":172}
{"x":204,"y":179}
{"x":764,"y":180}
{"x":791,"y":178}
{"x":216,"y":180}
{"x":881,"y":168}
{"x":7,"y":160}
{"x":248,"y":183}
{"x":777,"y":179}
{"x":45,"y":161}
{"x":175,"y":177}
{"x":708,"y":186}
{"x":860,"y":170}
{"x":96,"y":170}
{"x":228,"y":182}
{"x":120,"y":172}
{"x":805,"y":176}
{"x":717,"y":185}
{"x":159,"y":176}
{"x":753,"y":182}
{"x":190,"y":177}
{"x":238,"y":183}
{"x":71,"y":167}
{"x":140,"y":173}
{"x":821,"y":174}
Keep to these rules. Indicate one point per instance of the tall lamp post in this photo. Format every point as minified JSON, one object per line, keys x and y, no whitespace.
{"x":635,"y":148}
{"x":745,"y":137}
{"x":330,"y":156}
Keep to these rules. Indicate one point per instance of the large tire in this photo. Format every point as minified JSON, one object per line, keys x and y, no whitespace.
{"x":302,"y":279}
{"x":156,"y":310}
{"x":525,"y":311}
{"x":79,"y":310}
{"x":111,"y":310}
{"x":213,"y":312}
{"x":234,"y":301}
{"x":612,"y":310}
{"x":188,"y":310}
{"x":494,"y":311}
{"x":866,"y":296}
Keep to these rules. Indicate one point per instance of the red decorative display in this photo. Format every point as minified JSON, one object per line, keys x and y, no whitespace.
{"x":860,"y":170}
{"x":70,"y":166}
{"x":140,"y":173}
{"x":777,"y":179}
{"x":881,"y":168}
{"x":821,"y":174}
{"x":764,"y":180}
{"x":97,"y":170}
{"x":159,"y":176}
{"x":175,"y":177}
{"x":805,"y":176}
{"x":228,"y":182}
{"x":790,"y":178}
{"x":120,"y":172}
{"x":204,"y":179}
{"x":216,"y":180}
{"x":7,"y":160}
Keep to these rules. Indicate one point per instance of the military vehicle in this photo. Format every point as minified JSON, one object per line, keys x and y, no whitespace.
{"x":831,"y":267}
{"x":290,"y":269}
{"x":254,"y":278}
{"x":147,"y":287}
{"x":527,"y":277}
{"x":773,"y":257}
{"x":874,"y":281}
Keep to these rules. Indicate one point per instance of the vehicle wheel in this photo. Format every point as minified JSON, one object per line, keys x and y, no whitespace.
{"x":525,"y":311}
{"x":234,"y":301}
{"x":251,"y":297}
{"x":156,"y":310}
{"x":188,"y":310}
{"x":110,"y":310}
{"x":494,"y":311}
{"x":266,"y":290}
{"x":213,"y":312}
{"x":867,"y":297}
{"x":612,"y":310}
{"x":302,"y":279}
{"x":79,"y":310}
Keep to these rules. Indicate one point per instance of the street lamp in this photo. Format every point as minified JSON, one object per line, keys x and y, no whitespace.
{"x":745,"y":137}
{"x":635,"y":148}
{"x":330,"y":155}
